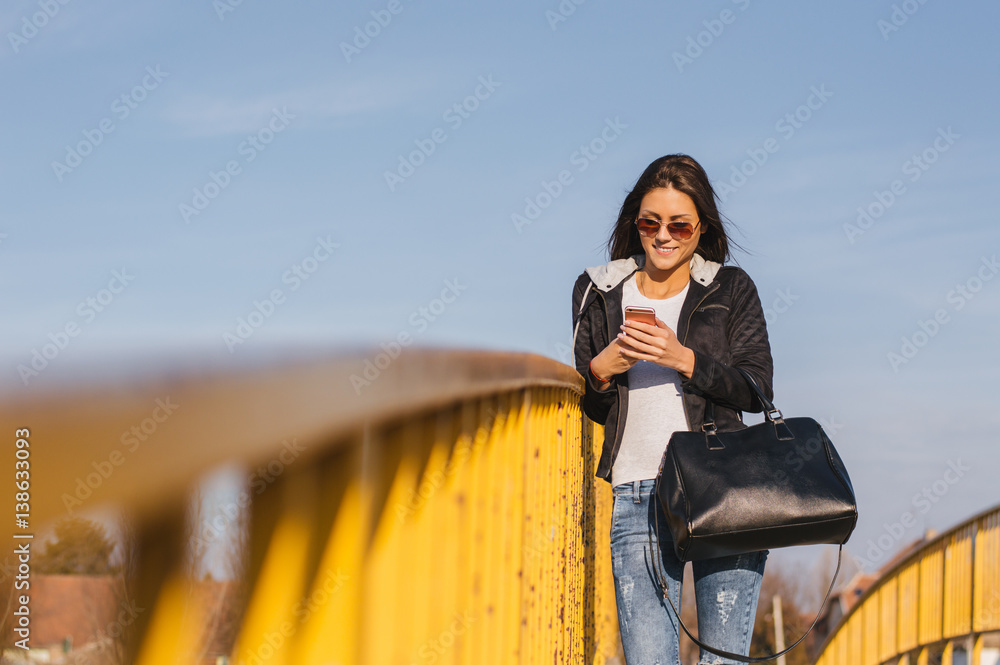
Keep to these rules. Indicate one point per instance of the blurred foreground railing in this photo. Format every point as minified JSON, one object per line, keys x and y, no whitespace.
{"x":446,"y":511}
{"x":942,"y":599}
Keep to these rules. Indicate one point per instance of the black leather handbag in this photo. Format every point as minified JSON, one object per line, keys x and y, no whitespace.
{"x":776,"y":484}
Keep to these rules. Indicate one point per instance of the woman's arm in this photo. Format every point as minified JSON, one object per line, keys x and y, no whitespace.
{"x":598,"y":397}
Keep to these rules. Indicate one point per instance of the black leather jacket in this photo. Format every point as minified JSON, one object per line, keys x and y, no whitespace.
{"x":721,"y":320}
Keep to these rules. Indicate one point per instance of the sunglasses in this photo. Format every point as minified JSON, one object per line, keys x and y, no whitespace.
{"x":677,"y":230}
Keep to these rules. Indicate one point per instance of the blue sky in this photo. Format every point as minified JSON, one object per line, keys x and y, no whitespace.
{"x":888,"y":107}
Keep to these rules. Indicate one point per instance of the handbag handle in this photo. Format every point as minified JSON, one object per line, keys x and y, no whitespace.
{"x":770,"y":412}
{"x":720,"y":652}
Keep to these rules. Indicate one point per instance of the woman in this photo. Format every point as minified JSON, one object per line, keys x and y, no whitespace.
{"x":643,"y":382}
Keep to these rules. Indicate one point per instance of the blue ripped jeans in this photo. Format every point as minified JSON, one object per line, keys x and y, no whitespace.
{"x":726,"y":588}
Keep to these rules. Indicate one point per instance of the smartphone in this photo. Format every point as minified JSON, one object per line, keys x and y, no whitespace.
{"x":643,"y":314}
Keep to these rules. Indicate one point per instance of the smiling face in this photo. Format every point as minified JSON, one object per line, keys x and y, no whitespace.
{"x":665,"y":253}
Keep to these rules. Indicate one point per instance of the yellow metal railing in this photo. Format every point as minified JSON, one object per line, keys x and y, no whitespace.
{"x":444,"y":509}
{"x":945,"y":594}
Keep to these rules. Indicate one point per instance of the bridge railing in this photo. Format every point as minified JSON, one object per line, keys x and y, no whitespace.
{"x":944,"y":595}
{"x":440,"y":506}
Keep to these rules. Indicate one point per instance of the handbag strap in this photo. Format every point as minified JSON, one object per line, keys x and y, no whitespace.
{"x":720,"y":652}
{"x":770,"y":412}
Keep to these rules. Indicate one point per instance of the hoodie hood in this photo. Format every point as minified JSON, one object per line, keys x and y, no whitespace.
{"x":607,"y":276}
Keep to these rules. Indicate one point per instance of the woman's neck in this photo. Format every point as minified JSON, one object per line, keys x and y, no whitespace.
{"x":662,"y":284}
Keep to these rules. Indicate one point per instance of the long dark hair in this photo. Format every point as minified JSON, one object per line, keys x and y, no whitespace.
{"x":686,"y":175}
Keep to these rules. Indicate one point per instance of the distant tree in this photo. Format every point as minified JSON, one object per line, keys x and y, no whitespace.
{"x":115,"y":630}
{"x":119,"y":650}
{"x":225,"y":602}
{"x":80,"y":547}
{"x":782,"y":583}
{"x":802,"y":589}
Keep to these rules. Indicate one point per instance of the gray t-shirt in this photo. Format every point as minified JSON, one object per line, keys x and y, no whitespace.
{"x":655,"y":410}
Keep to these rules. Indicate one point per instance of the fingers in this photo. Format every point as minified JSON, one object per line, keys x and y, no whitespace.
{"x":647,"y":327}
{"x":646,"y":332}
{"x":643,"y":341}
{"x":635,"y":345}
{"x":633,"y":356}
{"x":632,"y":331}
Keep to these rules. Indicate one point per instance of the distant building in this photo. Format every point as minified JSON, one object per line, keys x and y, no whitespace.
{"x":81,"y":618}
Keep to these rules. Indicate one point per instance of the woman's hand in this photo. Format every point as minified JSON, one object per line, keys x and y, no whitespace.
{"x":658,"y":344}
{"x":611,"y":361}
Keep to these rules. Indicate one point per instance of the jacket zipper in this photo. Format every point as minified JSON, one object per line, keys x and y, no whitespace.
{"x":687,"y":417}
{"x":619,"y":424}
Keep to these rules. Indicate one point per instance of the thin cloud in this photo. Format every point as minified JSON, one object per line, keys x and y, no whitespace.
{"x":201,"y":115}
